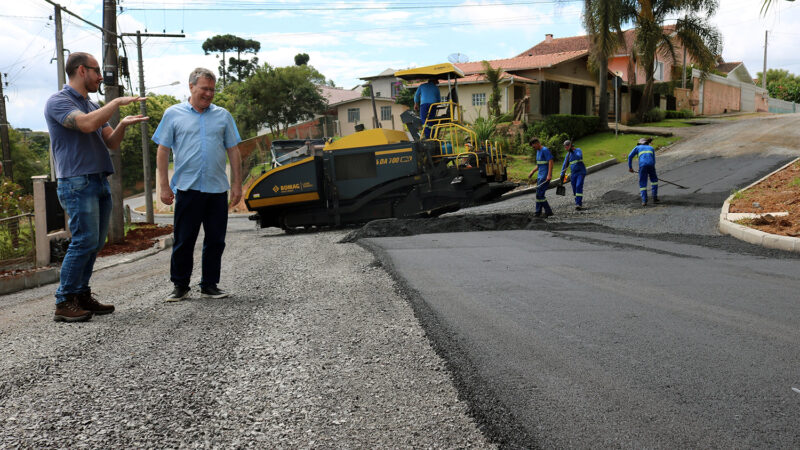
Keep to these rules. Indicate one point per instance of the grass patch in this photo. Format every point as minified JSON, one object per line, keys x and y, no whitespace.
{"x":668,"y":123}
{"x":596,"y":148}
{"x":739,"y":194}
{"x":795,"y":181}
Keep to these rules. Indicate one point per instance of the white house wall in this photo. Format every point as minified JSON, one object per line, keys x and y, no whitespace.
{"x":365,"y":111}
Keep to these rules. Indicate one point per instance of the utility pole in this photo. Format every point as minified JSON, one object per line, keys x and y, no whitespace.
{"x":62,"y":78}
{"x":116,"y":229}
{"x":148,"y":190}
{"x":7,"y":169}
{"x":764,"y":73}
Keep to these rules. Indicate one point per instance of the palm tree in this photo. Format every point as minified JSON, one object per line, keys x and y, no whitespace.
{"x":602,"y":20}
{"x":702,"y":41}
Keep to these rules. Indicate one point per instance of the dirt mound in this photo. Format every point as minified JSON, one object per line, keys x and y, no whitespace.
{"x":139,"y":238}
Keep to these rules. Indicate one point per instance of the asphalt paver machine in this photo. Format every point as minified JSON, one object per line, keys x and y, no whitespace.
{"x":379,"y":173}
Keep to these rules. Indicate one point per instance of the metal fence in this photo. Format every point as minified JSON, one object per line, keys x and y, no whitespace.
{"x":17,"y":242}
{"x":782,"y":106}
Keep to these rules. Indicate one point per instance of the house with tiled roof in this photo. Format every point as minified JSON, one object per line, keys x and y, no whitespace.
{"x":531,"y":86}
{"x":348,"y":108}
{"x":735,"y":70}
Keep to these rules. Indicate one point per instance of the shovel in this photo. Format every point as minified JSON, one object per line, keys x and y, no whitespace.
{"x":668,"y":182}
{"x":560,"y":189}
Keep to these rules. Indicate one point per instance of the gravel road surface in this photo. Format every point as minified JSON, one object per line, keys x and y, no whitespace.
{"x":315,"y":349}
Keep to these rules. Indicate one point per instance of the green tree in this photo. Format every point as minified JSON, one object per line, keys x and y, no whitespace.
{"x":131,"y":147}
{"x":301,"y":59}
{"x":25,"y":161}
{"x":602,"y":19}
{"x":228,"y":43}
{"x":694,"y":32}
{"x":405,"y":97}
{"x":277,"y":97}
{"x":493,"y":77}
{"x":782,"y":84}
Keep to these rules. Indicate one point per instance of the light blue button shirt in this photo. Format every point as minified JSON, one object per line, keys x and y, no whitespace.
{"x":199,"y":143}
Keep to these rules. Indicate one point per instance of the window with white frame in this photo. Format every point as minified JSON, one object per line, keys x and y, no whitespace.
{"x":353,"y":115}
{"x":386,"y":113}
{"x":479,"y":99}
{"x":658,"y":73}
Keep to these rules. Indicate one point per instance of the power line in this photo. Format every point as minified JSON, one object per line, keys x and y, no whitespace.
{"x":248,"y":6}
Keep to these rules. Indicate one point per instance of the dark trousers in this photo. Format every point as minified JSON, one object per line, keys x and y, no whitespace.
{"x":541,"y":201}
{"x":424,"y":110}
{"x":192,"y":209}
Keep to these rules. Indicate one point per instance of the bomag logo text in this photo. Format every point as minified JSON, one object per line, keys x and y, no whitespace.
{"x":290,"y":187}
{"x":393,"y":160}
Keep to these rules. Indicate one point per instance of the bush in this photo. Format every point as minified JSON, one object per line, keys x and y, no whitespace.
{"x":654,"y":115}
{"x":13,"y":200}
{"x":682,"y":114}
{"x":573,"y":126}
{"x":556,"y":145}
{"x":484,"y":128}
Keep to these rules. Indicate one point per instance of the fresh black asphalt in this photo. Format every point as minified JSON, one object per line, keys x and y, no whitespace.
{"x":619,"y":326}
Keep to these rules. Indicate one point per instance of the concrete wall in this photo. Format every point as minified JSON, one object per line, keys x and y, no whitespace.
{"x":717,"y":95}
{"x":748,"y":97}
{"x":761,"y":101}
{"x":471,"y":113}
{"x":682,"y":98}
{"x":365,"y":107}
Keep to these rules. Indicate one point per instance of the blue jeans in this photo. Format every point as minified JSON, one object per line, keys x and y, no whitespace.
{"x":87,"y":201}
{"x":193,"y":209}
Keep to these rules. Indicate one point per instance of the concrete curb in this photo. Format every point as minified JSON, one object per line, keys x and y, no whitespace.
{"x":591,"y":169}
{"x":29,"y":280}
{"x":49,"y":275}
{"x":753,"y":236}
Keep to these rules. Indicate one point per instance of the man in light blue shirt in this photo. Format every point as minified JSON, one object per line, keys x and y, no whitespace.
{"x":200,"y":136}
{"x":426,"y":95}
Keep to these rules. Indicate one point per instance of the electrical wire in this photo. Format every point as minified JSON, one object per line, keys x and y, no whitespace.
{"x":248,"y":6}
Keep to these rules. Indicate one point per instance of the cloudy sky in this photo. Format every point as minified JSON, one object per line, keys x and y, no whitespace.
{"x":345,"y":40}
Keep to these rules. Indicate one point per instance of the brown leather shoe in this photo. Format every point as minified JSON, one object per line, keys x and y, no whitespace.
{"x":87,"y":301}
{"x":70,"y":311}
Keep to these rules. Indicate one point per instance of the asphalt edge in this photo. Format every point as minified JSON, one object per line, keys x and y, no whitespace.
{"x":753,"y":236}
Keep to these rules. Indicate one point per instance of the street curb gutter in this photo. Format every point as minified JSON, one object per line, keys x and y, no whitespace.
{"x":753,"y":236}
{"x":591,"y":169}
{"x":29,"y":280}
{"x":51,"y":274}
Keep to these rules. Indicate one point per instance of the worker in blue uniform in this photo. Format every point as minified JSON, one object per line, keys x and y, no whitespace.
{"x":426,"y":95}
{"x":647,"y":168}
{"x":544,"y":165}
{"x":574,"y":159}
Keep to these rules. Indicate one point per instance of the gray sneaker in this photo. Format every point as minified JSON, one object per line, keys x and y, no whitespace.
{"x":178,"y":294}
{"x":212,"y":292}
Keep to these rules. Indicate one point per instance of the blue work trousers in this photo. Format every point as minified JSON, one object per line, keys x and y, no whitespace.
{"x":541,"y":201}
{"x":424,"y":110}
{"x":87,"y":201}
{"x":644,"y":172}
{"x":192,"y":209}
{"x":576,"y":180}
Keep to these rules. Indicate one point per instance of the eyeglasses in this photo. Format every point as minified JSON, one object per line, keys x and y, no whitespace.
{"x":96,"y":69}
